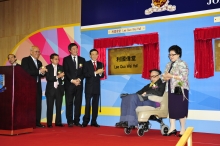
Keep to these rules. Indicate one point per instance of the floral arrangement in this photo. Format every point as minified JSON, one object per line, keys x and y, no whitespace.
{"x":180,"y":83}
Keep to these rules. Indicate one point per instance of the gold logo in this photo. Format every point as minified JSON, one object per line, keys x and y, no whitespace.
{"x":159,"y":3}
{"x":160,"y":6}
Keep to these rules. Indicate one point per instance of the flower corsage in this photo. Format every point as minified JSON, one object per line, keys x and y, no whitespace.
{"x":154,"y":86}
{"x":80,"y":65}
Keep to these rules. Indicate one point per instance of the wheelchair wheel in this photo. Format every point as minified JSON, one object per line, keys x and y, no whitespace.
{"x":140,"y":132}
{"x":164,"y":129}
{"x":127,"y":130}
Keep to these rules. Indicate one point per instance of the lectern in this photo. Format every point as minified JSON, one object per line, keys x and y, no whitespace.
{"x":17,"y":101}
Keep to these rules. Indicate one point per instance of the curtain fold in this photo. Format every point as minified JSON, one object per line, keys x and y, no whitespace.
{"x":150,"y":42}
{"x":102,"y":58}
{"x":126,"y":40}
{"x":151,"y":59}
{"x":204,"y":63}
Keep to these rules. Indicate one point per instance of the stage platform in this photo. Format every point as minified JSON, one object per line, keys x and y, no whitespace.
{"x":103,"y":136}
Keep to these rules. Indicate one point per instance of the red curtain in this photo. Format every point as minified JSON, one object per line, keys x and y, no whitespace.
{"x":204,"y":63}
{"x":150,"y":42}
{"x":102,"y":58}
{"x":151,"y":59}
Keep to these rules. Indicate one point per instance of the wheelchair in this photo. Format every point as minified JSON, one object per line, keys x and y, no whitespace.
{"x":146,"y":113}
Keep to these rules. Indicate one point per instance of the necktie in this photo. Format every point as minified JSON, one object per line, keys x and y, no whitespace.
{"x":74,"y":61}
{"x":94,"y":65}
{"x":55,"y":74}
{"x":35,"y":61}
{"x":171,"y":67}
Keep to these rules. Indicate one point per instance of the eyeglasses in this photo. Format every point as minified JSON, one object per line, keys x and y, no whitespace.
{"x":171,"y":55}
{"x":154,"y":76}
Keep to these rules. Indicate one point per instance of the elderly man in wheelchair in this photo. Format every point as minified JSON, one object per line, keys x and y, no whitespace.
{"x":135,"y":107}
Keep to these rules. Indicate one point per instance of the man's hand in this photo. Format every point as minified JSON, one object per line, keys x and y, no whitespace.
{"x":143,"y":94}
{"x":61,"y":75}
{"x":43,"y":70}
{"x":76,"y":82}
{"x":99,"y":71}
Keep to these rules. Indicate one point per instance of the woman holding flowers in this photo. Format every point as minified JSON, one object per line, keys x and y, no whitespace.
{"x":176,"y":78}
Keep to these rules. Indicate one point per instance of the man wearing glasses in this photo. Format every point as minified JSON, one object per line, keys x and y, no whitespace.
{"x":130,"y":102}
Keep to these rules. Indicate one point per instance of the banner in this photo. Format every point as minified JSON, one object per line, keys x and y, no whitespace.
{"x":125,"y":60}
{"x":125,"y":10}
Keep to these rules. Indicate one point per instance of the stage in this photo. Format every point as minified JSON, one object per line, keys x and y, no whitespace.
{"x":103,"y":136}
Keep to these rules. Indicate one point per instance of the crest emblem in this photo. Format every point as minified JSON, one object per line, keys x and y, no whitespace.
{"x":159,"y":3}
{"x":2,"y":83}
{"x":159,"y":6}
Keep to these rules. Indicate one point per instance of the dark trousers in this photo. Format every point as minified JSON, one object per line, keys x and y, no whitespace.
{"x":73,"y":93}
{"x":38,"y":103}
{"x":95,"y":101}
{"x":56,"y":96}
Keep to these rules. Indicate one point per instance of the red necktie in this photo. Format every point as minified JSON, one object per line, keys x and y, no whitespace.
{"x":94,"y":65}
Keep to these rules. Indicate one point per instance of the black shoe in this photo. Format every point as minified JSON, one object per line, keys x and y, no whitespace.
{"x":125,"y":124}
{"x":49,"y":126}
{"x":171,"y":133}
{"x":70,"y":124}
{"x":95,"y":125}
{"x":78,"y":124}
{"x":84,"y":125}
{"x":40,"y":126}
{"x":59,"y":125}
{"x":119,"y":124}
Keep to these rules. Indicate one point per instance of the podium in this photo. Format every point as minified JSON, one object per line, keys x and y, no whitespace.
{"x":17,"y":101}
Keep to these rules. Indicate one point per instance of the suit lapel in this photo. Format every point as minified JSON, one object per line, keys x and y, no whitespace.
{"x":33,"y":63}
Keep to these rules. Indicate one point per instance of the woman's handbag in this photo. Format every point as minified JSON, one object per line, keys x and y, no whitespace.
{"x":178,"y":90}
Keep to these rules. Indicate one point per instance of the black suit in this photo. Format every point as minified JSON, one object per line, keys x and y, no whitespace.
{"x":54,"y":94}
{"x":71,"y":90}
{"x":29,"y":66}
{"x":159,"y":91}
{"x":92,"y":90}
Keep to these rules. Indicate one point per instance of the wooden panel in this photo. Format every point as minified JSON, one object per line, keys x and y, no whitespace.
{"x":19,"y":18}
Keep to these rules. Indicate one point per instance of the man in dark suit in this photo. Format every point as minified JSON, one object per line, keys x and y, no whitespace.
{"x":73,"y":67}
{"x":130,"y":102}
{"x":93,"y":72}
{"x":34,"y":67}
{"x":12,"y":60}
{"x":54,"y":90}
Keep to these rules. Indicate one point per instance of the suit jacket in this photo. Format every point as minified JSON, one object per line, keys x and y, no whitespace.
{"x":159,"y":91}
{"x":70,"y":71}
{"x":51,"y":79}
{"x":92,"y":85}
{"x":27,"y":63}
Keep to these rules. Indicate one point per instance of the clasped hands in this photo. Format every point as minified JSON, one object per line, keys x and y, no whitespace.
{"x":60,"y":75}
{"x":76,"y":81}
{"x":99,"y":71}
{"x":43,"y":70}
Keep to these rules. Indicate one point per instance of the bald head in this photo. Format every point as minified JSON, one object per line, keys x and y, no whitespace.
{"x":35,"y":52}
